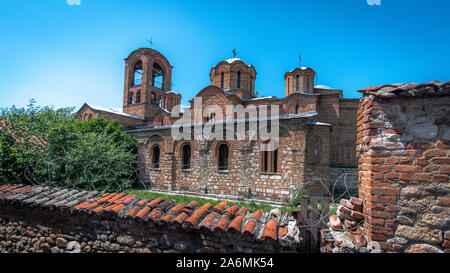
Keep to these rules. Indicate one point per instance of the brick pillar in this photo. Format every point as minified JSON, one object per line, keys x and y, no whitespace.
{"x":403,"y":148}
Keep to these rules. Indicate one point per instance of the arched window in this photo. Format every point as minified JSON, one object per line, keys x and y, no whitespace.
{"x":348,"y":154}
{"x":138,"y":97}
{"x":85,"y":116}
{"x":269,"y":162}
{"x":90,"y":116}
{"x":238,"y":84}
{"x":155,"y":157}
{"x":131,"y":98}
{"x":137,"y":74}
{"x":221,"y":81}
{"x":186,"y":156}
{"x":296,"y":108}
{"x":316,"y":149}
{"x":297,"y":83}
{"x":158,"y":76}
{"x":251,"y":83}
{"x":153,"y":98}
{"x":223,"y":156}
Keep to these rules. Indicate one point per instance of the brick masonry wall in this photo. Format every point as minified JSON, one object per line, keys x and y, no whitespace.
{"x":244,"y":177}
{"x":403,"y":144}
{"x":42,"y":219}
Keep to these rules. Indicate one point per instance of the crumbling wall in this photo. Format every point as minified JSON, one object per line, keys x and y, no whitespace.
{"x":403,"y":140}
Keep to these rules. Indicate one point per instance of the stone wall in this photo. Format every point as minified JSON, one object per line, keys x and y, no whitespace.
{"x":244,"y":177}
{"x":344,"y":180}
{"x":403,"y":140}
{"x":42,"y":219}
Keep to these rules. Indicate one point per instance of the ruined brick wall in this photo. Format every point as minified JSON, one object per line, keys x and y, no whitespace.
{"x":43,"y":219}
{"x":403,"y":143}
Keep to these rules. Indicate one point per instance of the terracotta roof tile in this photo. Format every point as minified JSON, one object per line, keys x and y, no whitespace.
{"x":197,"y":215}
{"x":141,"y":214}
{"x":271,"y":230}
{"x":220,"y":218}
{"x":154,"y":202}
{"x":236,"y":224}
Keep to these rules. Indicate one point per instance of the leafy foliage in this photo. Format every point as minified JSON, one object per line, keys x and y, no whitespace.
{"x":41,"y":145}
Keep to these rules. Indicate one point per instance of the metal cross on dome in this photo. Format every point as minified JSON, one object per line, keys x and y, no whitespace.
{"x":150,"y":42}
{"x":234,"y":53}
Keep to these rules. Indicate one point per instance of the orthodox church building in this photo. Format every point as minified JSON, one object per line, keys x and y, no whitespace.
{"x":316,"y":128}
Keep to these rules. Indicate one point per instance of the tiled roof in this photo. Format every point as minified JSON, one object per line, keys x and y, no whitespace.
{"x":256,"y":225}
{"x":432,"y":88}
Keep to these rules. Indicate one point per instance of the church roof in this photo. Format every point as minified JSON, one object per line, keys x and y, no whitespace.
{"x":116,"y":111}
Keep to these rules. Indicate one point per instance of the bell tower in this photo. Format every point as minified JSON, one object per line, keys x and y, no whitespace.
{"x":148,"y":84}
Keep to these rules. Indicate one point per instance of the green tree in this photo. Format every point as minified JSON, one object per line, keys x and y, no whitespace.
{"x":42,"y":145}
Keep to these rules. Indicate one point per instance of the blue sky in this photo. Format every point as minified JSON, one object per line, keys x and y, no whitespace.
{"x":65,"y":55}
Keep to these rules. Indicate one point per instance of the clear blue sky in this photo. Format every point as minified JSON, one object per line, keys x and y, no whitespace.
{"x":65,"y":55}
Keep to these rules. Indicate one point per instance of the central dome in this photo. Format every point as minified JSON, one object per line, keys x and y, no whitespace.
{"x":232,"y":74}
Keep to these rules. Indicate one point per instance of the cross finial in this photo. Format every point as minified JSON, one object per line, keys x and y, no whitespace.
{"x":234,"y":53}
{"x":299,"y":59}
{"x":150,"y":42}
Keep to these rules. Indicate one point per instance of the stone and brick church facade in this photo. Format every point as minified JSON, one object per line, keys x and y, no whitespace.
{"x":317,"y":131}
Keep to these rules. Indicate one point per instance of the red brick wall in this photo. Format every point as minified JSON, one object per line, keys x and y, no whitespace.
{"x":403,"y":150}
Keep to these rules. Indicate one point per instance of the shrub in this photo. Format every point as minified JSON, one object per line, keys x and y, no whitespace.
{"x":41,"y":145}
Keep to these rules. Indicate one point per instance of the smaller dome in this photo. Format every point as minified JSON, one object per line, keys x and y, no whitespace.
{"x":321,"y":86}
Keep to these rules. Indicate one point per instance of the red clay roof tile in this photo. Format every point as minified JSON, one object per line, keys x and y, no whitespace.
{"x":236,"y":224}
{"x":231,"y":211}
{"x":143,"y":201}
{"x":249,"y":228}
{"x":180,"y":218}
{"x":155,"y":214}
{"x":155,"y":202}
{"x":282,"y":231}
{"x":222,"y":224}
{"x":142,"y":213}
{"x":119,"y":195}
{"x":81,"y":205}
{"x":218,"y":208}
{"x":106,"y":198}
{"x":270,"y":230}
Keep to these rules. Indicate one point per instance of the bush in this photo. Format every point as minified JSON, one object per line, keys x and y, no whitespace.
{"x":41,"y":145}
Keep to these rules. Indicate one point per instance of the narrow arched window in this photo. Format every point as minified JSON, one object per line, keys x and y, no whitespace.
{"x":130,"y":98}
{"x":296,"y":108}
{"x":186,"y":156}
{"x":238,"y":84}
{"x":223,"y":156}
{"x":155,"y":157}
{"x":158,"y":76}
{"x":221,"y":81}
{"x":137,"y":74}
{"x":85,"y":116}
{"x":138,"y":97}
{"x":297,"y":83}
{"x":269,"y":162}
{"x":90,"y":116}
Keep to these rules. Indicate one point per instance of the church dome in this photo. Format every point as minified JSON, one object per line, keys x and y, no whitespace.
{"x":234,"y":73}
